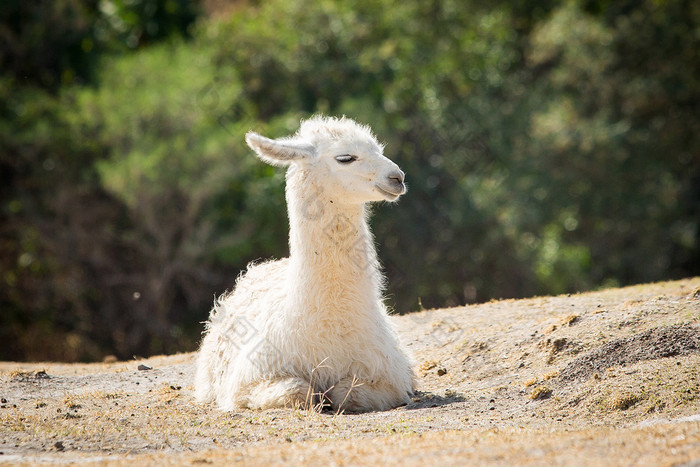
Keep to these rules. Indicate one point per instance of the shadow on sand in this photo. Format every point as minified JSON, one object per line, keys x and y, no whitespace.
{"x":422,"y":400}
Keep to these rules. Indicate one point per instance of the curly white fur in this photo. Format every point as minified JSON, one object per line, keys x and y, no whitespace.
{"x":313,"y":323}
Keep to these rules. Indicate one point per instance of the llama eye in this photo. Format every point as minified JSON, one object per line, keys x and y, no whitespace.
{"x":346,"y":158}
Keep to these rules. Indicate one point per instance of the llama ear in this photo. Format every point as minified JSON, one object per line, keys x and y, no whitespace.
{"x":279,"y":151}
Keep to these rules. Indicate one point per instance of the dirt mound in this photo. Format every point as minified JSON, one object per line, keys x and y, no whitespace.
{"x":661,"y":342}
{"x":492,"y":391}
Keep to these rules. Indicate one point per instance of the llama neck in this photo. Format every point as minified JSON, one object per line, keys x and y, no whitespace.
{"x":333,"y":261}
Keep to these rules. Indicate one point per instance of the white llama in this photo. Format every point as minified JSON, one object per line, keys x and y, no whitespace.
{"x":313,"y":324}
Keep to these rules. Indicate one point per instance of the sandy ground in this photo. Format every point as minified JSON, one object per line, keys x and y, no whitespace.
{"x":602,"y":378}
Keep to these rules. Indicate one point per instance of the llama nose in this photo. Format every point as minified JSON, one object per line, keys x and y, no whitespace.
{"x":396,"y":177}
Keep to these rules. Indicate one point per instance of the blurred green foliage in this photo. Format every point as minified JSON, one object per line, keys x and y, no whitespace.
{"x":549,"y":148}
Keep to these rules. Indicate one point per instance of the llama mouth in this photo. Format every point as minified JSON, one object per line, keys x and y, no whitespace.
{"x":391,"y":195}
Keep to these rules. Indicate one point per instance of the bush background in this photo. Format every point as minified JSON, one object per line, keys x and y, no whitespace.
{"x":550,"y":147}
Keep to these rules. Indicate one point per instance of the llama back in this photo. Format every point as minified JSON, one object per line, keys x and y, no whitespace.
{"x":234,"y":328}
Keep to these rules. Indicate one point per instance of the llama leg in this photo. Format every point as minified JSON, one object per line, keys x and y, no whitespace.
{"x":289,"y":392}
{"x":204,"y":374}
{"x":353,"y":395}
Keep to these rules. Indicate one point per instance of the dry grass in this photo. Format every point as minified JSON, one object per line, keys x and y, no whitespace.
{"x":540,"y":392}
{"x":20,"y":374}
{"x":542,"y":378}
{"x":530,"y":382}
{"x":426,"y":366}
{"x":71,"y":402}
{"x":662,"y":444}
{"x":355,"y":383}
{"x":623,"y":401}
{"x":169,"y":392}
{"x":315,"y":401}
{"x":570,"y":320}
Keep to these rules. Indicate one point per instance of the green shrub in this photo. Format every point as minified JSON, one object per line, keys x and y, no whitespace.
{"x":548,"y":148}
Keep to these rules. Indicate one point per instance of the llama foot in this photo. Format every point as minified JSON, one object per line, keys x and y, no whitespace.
{"x":281,"y":393}
{"x":352,"y":395}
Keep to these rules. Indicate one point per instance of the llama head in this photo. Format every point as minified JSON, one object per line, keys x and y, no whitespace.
{"x":339,"y":156}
